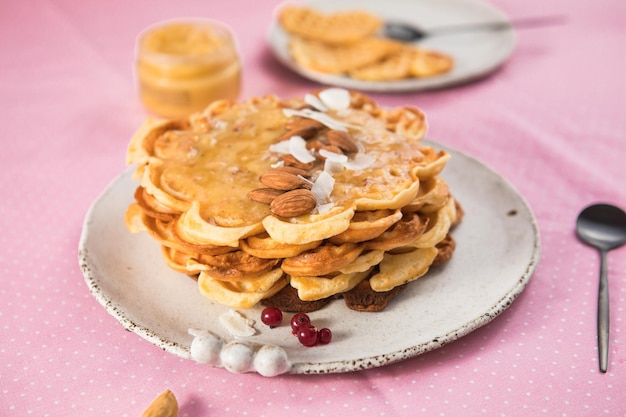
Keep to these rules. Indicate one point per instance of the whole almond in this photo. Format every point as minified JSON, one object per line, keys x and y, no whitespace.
{"x":290,"y":161}
{"x":330,"y":148}
{"x":305,"y":132}
{"x":314,"y":145}
{"x":165,"y":405}
{"x":294,"y":203}
{"x":343,"y":140}
{"x":304,"y":124}
{"x":264,"y":195}
{"x":282,"y":179}
{"x":295,"y":170}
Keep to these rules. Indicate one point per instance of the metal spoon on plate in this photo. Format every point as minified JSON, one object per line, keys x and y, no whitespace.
{"x":410,"y":33}
{"x":603,"y":227}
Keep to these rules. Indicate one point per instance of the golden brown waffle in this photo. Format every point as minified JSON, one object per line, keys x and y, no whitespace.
{"x":342,"y":59}
{"x":408,"y":62}
{"x":267,"y":198}
{"x":332,"y":28}
{"x":348,"y":43}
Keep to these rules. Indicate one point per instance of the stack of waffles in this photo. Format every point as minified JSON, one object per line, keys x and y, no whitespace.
{"x":295,"y":202}
{"x":348,"y":43}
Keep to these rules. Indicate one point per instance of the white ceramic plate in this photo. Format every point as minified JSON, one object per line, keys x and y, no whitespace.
{"x":476,"y":54}
{"x":498,"y":248}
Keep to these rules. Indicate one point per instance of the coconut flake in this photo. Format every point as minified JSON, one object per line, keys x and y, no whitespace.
{"x":360,"y":146}
{"x":237,"y":324}
{"x":324,"y":208}
{"x":280,"y":147}
{"x":333,"y":167}
{"x":306,"y":180}
{"x":320,"y":117}
{"x":297,"y":148}
{"x":323,"y":187}
{"x":360,"y":161}
{"x":315,"y":102}
{"x":335,"y":98}
{"x":335,"y":157}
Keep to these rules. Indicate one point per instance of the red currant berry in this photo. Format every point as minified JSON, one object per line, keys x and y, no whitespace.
{"x":324,"y":336}
{"x":298,"y":320}
{"x":307,"y":335}
{"x":271,"y":316}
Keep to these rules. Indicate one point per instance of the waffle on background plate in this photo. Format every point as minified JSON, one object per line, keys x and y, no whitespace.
{"x":348,"y":43}
{"x":295,"y":202}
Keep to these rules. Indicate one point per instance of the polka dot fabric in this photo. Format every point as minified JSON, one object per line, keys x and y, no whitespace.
{"x":550,"y":121}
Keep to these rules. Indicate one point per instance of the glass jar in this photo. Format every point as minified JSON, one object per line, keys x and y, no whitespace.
{"x":182,"y":66}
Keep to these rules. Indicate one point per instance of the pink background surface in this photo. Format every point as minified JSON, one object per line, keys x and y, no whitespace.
{"x":552,"y":121}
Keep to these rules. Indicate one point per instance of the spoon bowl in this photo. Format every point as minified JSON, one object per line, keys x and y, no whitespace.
{"x":603,"y":227}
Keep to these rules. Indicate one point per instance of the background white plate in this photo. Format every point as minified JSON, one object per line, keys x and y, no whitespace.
{"x":498,"y":248}
{"x":476,"y":54}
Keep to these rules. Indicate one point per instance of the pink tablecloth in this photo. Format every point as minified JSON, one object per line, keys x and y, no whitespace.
{"x":551,"y":121}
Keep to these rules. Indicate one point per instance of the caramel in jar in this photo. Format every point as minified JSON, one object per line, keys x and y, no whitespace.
{"x":182,"y":66}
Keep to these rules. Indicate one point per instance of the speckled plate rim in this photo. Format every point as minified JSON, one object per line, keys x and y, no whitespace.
{"x":476,"y":54}
{"x":517,"y":283}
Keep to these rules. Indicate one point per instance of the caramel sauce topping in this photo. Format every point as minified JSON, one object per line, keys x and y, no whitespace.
{"x":219,"y":159}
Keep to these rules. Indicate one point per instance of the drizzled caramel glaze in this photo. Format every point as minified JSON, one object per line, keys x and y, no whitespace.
{"x":219,"y":157}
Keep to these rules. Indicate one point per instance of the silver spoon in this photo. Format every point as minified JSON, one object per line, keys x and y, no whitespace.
{"x":409,"y":33}
{"x":603,"y":227}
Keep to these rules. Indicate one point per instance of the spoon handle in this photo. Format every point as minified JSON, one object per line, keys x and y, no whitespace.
{"x":516,"y":23}
{"x":603,"y":313}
